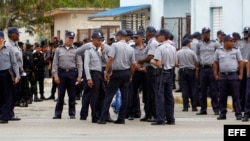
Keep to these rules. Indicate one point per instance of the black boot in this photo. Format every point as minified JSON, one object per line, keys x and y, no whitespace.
{"x":36,"y":99}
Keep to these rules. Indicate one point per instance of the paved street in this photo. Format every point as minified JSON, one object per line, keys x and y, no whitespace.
{"x":37,"y":125}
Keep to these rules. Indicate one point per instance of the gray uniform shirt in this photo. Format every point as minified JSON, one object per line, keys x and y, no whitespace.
{"x":244,"y":49}
{"x":205,"y":51}
{"x":167,"y":54}
{"x":140,"y":53}
{"x":186,"y":58}
{"x":123,"y":55}
{"x":17,"y":52}
{"x":66,"y":59}
{"x":8,"y":60}
{"x":151,"y":48}
{"x":194,"y":44}
{"x":92,"y":61}
{"x":228,"y":60}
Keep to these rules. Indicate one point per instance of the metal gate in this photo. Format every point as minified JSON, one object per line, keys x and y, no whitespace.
{"x":178,"y":26}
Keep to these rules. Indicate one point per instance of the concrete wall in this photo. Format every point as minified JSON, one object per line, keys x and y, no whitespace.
{"x":72,"y":22}
{"x":176,"y":8}
{"x":235,"y":14}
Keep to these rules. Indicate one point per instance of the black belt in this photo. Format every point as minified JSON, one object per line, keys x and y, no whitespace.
{"x":95,"y":71}
{"x":228,"y":73}
{"x":206,"y":65}
{"x":167,"y":71}
{"x":4,"y":70}
{"x":186,"y":69}
{"x":120,"y":70}
{"x":67,"y":70}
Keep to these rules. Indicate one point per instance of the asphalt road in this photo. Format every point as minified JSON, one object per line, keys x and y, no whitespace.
{"x":37,"y":125}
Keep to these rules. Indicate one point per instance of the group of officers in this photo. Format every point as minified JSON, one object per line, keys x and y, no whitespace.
{"x":130,"y":64}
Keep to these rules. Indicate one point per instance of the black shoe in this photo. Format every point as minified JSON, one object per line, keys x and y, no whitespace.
{"x":24,"y":104}
{"x":144,"y":119}
{"x":130,"y":118}
{"x":245,"y":119}
{"x":57,"y":117}
{"x":238,"y":117}
{"x":158,"y":123}
{"x":194,"y":109}
{"x":82,"y":118}
{"x":37,"y":100}
{"x":29,"y":101}
{"x":14,"y":119}
{"x":42,"y":97}
{"x":109,"y":120}
{"x":202,"y":113}
{"x":185,"y":110}
{"x":170,"y":122}
{"x":101,"y":122}
{"x":221,"y":117}
{"x":216,"y":113}
{"x":72,"y":117}
{"x":177,"y":91}
{"x":151,"y":119}
{"x":3,"y":121}
{"x":137,"y":116}
{"x":94,"y":121}
{"x":52,"y":97}
{"x":119,"y":121}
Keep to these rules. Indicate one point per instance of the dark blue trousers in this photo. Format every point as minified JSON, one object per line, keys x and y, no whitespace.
{"x":243,"y":88}
{"x":6,"y":90}
{"x":164,"y":99}
{"x":96,"y":94}
{"x":67,"y":82}
{"x":229,"y":83}
{"x":119,"y":79}
{"x":151,"y":92}
{"x":247,"y":105}
{"x":207,"y":80}
{"x":188,"y":82}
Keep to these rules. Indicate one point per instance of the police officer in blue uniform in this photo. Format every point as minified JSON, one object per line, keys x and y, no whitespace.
{"x":7,"y":62}
{"x":67,"y":72}
{"x":122,"y":60}
{"x":228,"y":70}
{"x":205,"y":53}
{"x":12,"y":42}
{"x":187,"y":62}
{"x":164,"y":58}
{"x":152,"y":45}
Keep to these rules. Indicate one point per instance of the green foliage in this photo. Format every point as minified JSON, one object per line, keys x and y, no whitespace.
{"x":29,"y":13}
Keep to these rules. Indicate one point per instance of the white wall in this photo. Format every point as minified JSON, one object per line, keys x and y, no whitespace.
{"x":235,"y":14}
{"x":176,"y":8}
{"x":157,"y":10}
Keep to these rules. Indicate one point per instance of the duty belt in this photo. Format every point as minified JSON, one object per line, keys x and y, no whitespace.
{"x":206,"y":65}
{"x":228,"y":73}
{"x":67,"y":70}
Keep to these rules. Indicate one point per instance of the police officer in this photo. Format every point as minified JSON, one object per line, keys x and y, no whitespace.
{"x":149,"y":100}
{"x":247,"y":104}
{"x":227,"y":60}
{"x":12,"y":43}
{"x":244,"y":49}
{"x":7,"y":62}
{"x":129,"y":38}
{"x":187,"y":62}
{"x":205,"y":53}
{"x":67,"y":70}
{"x":164,"y":58}
{"x":220,"y":37}
{"x":93,"y":71}
{"x":39,"y":64}
{"x":122,"y":59}
{"x":139,"y":77}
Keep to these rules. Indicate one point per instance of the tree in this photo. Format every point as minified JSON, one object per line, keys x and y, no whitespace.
{"x":29,"y":13}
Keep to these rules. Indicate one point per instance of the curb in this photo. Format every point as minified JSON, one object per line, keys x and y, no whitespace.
{"x":178,"y":100}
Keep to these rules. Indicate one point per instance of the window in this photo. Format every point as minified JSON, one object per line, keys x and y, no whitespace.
{"x":217,"y":21}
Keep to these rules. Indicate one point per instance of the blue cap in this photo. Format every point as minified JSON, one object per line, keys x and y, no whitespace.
{"x":196,"y":34}
{"x":12,"y":30}
{"x":246,"y":29}
{"x":121,"y":32}
{"x":163,"y":31}
{"x":220,"y":32}
{"x":129,"y":32}
{"x":97,"y":35}
{"x":138,"y":33}
{"x":70,"y":34}
{"x":205,"y":29}
{"x":236,"y":34}
{"x":151,"y":29}
{"x":185,"y":41}
{"x":228,"y":38}
{"x":1,"y":34}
